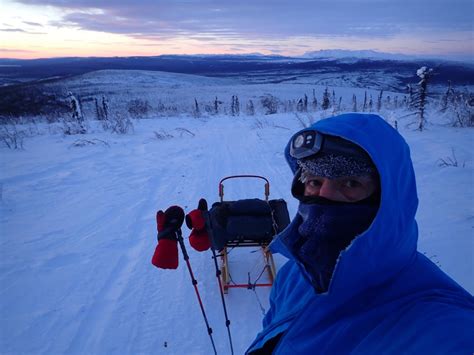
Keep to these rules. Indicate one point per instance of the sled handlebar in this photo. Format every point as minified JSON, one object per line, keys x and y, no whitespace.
{"x":221,"y":185}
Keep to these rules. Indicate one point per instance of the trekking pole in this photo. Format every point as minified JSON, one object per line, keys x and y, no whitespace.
{"x":227,"y":321}
{"x":218,"y":275}
{"x":194,"y":281}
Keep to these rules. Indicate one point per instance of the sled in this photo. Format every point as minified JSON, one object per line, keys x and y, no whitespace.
{"x":246,"y":223}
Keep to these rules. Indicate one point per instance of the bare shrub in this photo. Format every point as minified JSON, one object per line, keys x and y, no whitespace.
{"x":162,"y":135}
{"x":86,"y":142}
{"x":166,"y":110}
{"x":449,"y":161}
{"x":462,"y":110}
{"x":184,"y":132}
{"x":105,"y":124}
{"x":270,"y":104}
{"x":71,"y":127}
{"x":209,"y":109}
{"x":138,"y":108}
{"x":120,"y":124}
{"x":305,"y":121}
{"x":12,"y":137}
{"x":9,"y":119}
{"x":261,"y":123}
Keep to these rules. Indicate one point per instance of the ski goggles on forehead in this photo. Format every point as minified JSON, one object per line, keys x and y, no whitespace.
{"x":311,"y":142}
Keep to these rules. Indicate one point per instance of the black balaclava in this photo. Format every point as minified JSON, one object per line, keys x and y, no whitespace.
{"x":328,"y":227}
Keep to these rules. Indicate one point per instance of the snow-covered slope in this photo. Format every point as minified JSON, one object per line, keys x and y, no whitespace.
{"x":140,"y":79}
{"x":171,"y":93}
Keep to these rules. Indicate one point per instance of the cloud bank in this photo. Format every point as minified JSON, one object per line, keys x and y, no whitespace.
{"x":205,"y":19}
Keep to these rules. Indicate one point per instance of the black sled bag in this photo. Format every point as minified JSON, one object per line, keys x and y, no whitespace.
{"x":248,"y":220}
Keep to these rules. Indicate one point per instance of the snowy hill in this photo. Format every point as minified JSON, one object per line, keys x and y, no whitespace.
{"x":170,"y":94}
{"x":77,"y":213}
{"x":254,"y":68}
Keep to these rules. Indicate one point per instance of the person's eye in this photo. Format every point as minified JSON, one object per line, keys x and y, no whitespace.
{"x":352,"y":184}
{"x":314,"y":183}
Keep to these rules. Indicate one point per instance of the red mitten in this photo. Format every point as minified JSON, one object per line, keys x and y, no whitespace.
{"x":199,"y":239}
{"x":195,"y":219}
{"x":166,"y":252}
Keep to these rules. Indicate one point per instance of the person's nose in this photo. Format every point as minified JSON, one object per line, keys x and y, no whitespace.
{"x":328,"y":190}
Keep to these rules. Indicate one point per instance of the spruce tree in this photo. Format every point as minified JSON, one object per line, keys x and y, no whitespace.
{"x":300,"y":106}
{"x":379,"y":101}
{"x":325,"y":102}
{"x":216,"y":106}
{"x":425,"y":75}
{"x":237,"y":106}
{"x":98,"y":111}
{"x":196,"y":111}
{"x":448,"y":97}
{"x":105,"y":107}
{"x":250,"y":108}
{"x":411,"y":96}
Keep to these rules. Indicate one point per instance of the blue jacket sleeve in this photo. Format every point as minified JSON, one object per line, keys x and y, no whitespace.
{"x":270,"y":313}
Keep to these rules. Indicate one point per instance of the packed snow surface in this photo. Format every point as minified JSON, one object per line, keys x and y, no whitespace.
{"x":78,"y":231}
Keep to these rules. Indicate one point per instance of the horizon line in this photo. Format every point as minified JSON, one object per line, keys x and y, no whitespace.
{"x":306,"y":55}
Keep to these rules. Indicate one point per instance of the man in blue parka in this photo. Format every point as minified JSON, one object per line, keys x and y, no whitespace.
{"x":354,"y":282}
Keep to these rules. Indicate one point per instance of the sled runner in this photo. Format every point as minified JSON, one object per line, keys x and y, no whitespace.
{"x":246,"y":223}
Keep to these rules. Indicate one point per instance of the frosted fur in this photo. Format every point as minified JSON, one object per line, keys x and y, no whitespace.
{"x":334,"y":166}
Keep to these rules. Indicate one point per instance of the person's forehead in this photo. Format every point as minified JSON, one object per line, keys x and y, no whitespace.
{"x":365,"y":177}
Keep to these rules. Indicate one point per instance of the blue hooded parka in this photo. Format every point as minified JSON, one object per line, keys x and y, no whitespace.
{"x":384,"y":297}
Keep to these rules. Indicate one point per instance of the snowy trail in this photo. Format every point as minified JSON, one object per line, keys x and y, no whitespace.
{"x":78,"y":232}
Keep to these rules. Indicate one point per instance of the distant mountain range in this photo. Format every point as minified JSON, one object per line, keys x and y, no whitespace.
{"x":366,"y":54}
{"x":248,"y":67}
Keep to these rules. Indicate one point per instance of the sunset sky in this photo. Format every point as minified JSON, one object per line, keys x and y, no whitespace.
{"x":60,"y":28}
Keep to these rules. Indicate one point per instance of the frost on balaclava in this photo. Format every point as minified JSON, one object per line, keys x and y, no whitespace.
{"x":326,"y":229}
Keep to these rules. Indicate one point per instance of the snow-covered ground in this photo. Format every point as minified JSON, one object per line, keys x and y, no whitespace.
{"x":171,"y":94}
{"x":78,"y":231}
